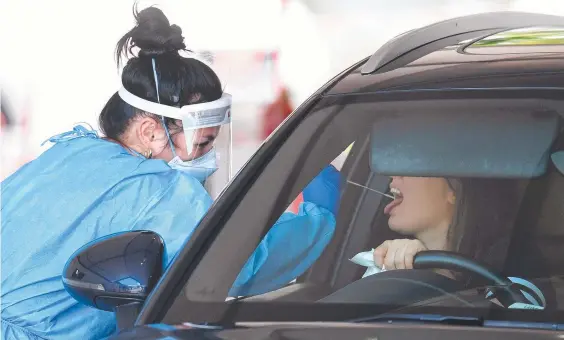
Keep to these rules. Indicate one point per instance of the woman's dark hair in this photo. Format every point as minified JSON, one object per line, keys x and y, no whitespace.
{"x":483,"y":229}
{"x":486,"y":210}
{"x":182,"y":80}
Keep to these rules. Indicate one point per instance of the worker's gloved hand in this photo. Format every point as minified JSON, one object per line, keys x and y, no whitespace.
{"x":324,"y":189}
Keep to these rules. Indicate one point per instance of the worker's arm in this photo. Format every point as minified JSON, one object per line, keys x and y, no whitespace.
{"x":296,"y":241}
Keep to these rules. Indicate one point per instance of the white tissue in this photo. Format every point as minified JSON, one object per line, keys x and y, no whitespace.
{"x":366,"y":259}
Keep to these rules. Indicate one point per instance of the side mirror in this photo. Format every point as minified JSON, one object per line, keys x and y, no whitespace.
{"x":116,"y":270}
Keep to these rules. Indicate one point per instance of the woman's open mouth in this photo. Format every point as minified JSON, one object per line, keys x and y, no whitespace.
{"x":398,"y":198}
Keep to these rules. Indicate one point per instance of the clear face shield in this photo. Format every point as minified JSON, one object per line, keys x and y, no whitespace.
{"x":207,"y":134}
{"x":217,"y":181}
{"x":207,"y":137}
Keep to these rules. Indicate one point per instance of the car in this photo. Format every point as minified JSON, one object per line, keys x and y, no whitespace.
{"x":475,"y":99}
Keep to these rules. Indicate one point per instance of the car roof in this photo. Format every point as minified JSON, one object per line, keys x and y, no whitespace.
{"x":531,"y":58}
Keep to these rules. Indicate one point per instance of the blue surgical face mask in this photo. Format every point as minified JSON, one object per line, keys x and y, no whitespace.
{"x":201,"y":168}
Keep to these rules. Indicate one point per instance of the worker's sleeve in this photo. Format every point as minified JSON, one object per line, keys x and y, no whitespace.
{"x":295,"y":242}
{"x":176,"y":212}
{"x":324,"y":189}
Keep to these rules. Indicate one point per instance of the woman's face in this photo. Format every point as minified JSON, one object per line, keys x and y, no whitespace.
{"x":421,"y":203}
{"x":202,"y":142}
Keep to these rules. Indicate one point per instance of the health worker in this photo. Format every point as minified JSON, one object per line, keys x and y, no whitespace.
{"x":166,"y":136}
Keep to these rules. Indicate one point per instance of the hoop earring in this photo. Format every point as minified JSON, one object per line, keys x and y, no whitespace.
{"x":148,"y":154}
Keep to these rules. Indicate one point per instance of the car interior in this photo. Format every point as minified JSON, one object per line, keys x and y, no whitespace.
{"x":535,"y":252}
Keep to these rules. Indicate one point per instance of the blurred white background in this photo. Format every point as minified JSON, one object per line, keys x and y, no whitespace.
{"x":57,"y":67}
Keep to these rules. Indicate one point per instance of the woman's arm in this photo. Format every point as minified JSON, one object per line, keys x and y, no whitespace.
{"x":296,"y":241}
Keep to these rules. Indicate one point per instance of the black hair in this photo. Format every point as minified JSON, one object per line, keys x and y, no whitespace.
{"x":182,"y":80}
{"x":486,"y":210}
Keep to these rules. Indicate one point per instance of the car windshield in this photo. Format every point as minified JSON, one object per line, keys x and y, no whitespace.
{"x":446,"y":199}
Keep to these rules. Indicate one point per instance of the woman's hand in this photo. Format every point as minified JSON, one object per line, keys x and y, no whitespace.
{"x":397,"y":254}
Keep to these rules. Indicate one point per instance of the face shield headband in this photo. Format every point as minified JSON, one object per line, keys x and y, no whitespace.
{"x":193,"y":117}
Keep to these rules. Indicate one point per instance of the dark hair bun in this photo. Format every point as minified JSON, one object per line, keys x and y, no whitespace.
{"x":154,"y":35}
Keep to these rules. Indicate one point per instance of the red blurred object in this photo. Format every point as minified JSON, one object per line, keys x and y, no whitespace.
{"x":276,"y":112}
{"x":265,"y":56}
{"x":295,"y":205}
{"x":3,"y":120}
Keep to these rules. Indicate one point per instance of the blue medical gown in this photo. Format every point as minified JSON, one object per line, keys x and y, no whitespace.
{"x":84,"y":188}
{"x":263,"y":272}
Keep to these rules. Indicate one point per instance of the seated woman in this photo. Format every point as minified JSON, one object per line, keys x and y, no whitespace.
{"x":471,"y":216}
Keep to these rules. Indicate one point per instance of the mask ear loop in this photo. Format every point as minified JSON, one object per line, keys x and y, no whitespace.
{"x":159,"y":100}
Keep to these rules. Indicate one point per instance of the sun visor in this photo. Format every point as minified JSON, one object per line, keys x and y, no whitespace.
{"x":500,"y":144}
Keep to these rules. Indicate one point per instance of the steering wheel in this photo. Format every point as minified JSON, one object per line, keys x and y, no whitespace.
{"x":405,"y":287}
{"x":505,"y":290}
